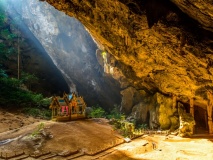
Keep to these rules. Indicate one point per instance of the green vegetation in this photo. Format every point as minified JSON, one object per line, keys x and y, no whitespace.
{"x":117,"y":119}
{"x":15,"y":93}
{"x":28,"y":79}
{"x":39,"y":128}
{"x":6,"y":34}
{"x":116,"y":114}
{"x":126,"y":128}
{"x":3,"y":73}
{"x":41,"y":110}
{"x":12,"y":95}
{"x":97,"y":112}
{"x":123,"y":126}
{"x":7,"y":38}
{"x":38,"y":112}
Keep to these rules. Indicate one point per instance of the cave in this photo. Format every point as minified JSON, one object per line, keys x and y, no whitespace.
{"x":200,"y":117}
{"x":135,"y":55}
{"x":201,"y":120}
{"x":148,"y":62}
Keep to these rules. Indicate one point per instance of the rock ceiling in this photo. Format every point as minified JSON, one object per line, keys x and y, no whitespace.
{"x":201,"y":10}
{"x":159,"y":46}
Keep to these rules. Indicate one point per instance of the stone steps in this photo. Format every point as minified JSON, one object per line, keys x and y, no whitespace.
{"x":48,"y":156}
{"x":21,"y":157}
{"x":74,"y":156}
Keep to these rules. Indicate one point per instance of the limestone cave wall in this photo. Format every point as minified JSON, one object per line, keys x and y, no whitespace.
{"x":153,"y":46}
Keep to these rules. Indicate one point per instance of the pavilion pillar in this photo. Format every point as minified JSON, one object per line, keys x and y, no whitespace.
{"x":209,"y":111}
{"x":174,"y":101}
{"x":70,"y":110}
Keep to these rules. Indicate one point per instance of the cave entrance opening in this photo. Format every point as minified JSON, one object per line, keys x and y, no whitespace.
{"x":200,"y":116}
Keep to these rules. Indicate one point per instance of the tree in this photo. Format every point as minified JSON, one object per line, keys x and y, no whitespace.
{"x":9,"y":40}
{"x":28,"y":79}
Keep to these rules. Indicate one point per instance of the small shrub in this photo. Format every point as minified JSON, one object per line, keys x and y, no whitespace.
{"x":45,"y":102}
{"x":37,"y":112}
{"x":116,"y":114}
{"x":37,"y":131}
{"x":32,"y":111}
{"x":124,"y":127}
{"x":97,"y":112}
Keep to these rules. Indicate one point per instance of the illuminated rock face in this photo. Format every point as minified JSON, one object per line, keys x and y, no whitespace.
{"x":151,"y":45}
{"x":168,"y":57}
{"x":73,"y":51}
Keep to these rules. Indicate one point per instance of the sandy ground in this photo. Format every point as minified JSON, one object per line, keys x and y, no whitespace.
{"x":169,"y":148}
{"x":10,"y":121}
{"x":96,"y":136}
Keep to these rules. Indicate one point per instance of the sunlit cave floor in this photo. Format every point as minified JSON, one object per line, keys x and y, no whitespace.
{"x":93,"y":139}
